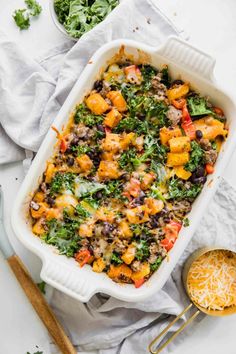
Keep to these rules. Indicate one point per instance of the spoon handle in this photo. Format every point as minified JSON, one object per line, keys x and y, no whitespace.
{"x":40,"y":305}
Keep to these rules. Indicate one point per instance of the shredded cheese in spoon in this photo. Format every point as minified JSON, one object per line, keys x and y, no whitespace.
{"x":212,"y":280}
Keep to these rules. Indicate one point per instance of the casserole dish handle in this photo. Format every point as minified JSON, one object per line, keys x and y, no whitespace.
{"x":189,"y":57}
{"x":64,"y":278}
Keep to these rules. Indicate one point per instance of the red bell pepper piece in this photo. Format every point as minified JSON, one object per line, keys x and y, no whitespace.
{"x":82,"y":257}
{"x":138,"y":283}
{"x":209,"y":169}
{"x":171,"y":233}
{"x":63,"y":145}
{"x":61,"y":138}
{"x":107,"y":130}
{"x":187,"y":123}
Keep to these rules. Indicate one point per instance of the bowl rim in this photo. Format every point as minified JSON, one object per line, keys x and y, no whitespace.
{"x":57,"y":24}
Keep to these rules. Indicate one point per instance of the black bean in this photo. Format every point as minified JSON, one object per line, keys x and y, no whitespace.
{"x":177,"y":82}
{"x":107,"y":228}
{"x":199,"y":134}
{"x":50,"y":201}
{"x":98,"y":85}
{"x":154,"y":223}
{"x":101,"y":128}
{"x":74,"y":141}
{"x":200,"y":172}
{"x":70,"y":161}
{"x":141,"y":116}
{"x":99,"y":195}
{"x":167,"y":220}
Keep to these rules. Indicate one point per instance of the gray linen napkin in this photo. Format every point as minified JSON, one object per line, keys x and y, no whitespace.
{"x":32,"y":92}
{"x":116,"y":327}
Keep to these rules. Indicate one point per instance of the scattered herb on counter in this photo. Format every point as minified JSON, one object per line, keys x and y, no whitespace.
{"x":80,"y":16}
{"x":22,"y":16}
{"x":34,"y":6}
{"x":41,"y":287}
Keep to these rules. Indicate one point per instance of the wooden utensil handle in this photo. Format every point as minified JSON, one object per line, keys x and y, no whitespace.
{"x":40,"y":305}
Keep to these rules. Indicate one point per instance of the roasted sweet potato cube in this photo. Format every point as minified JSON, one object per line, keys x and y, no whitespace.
{"x":108,"y":170}
{"x":117,"y":100}
{"x":174,"y":159}
{"x":112,"y":118}
{"x":97,"y":104}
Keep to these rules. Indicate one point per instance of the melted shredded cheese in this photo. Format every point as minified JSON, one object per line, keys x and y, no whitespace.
{"x":212,"y":280}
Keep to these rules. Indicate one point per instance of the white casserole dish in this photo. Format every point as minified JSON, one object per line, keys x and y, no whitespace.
{"x":64,"y":273}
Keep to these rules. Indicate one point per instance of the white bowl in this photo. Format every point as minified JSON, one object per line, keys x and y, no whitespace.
{"x":58,"y":25}
{"x":64,"y":273}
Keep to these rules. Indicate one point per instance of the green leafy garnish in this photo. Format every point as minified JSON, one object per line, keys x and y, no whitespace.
{"x":159,"y":171}
{"x":86,"y":189}
{"x":178,"y":190}
{"x":82,"y":212}
{"x":156,"y":193}
{"x":148,"y":72}
{"x":62,"y":181}
{"x":198,"y":106}
{"x":84,"y":115}
{"x":186,"y":222}
{"x":41,"y":286}
{"x":116,"y":259}
{"x":80,"y":16}
{"x":114,"y":189}
{"x":165,"y":76}
{"x":196,"y":157}
{"x":34,"y":6}
{"x":21,"y":18}
{"x":127,"y":159}
{"x":63,"y":235}
{"x":154,"y":266}
{"x":81,"y":149}
{"x":142,"y":250}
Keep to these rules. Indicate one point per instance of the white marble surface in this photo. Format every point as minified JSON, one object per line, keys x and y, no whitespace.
{"x":211,"y":26}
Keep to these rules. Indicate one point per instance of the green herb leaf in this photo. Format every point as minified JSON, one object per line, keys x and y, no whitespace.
{"x":86,"y":189}
{"x":196,"y":157}
{"x":198,"y":106}
{"x":63,"y":235}
{"x":41,"y":287}
{"x":165,"y":76}
{"x":84,"y":115}
{"x":21,"y":19}
{"x":186,"y":222}
{"x":80,"y":16}
{"x":62,"y":181}
{"x":34,"y":6}
{"x":82,"y":212}
{"x":116,"y":259}
{"x":142,"y":250}
{"x":154,"y":266}
{"x":178,"y":190}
